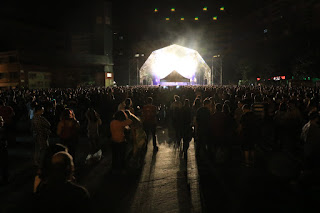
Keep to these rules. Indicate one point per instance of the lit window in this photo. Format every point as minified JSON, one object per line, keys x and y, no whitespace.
{"x":173,"y":9}
{"x":215,"y":18}
{"x":222,"y":8}
{"x":196,"y":18}
{"x":182,"y":18}
{"x":205,"y":8}
{"x":167,"y":19}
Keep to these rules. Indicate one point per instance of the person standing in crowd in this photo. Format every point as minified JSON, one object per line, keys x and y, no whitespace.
{"x":117,"y":129}
{"x":8,"y":114}
{"x":60,"y":193}
{"x":41,"y":132}
{"x":42,"y":174}
{"x":68,"y":131}
{"x":4,"y":153}
{"x":186,"y":126}
{"x":310,"y":136}
{"x":175,"y":110}
{"x":149,"y":119}
{"x":249,"y":134}
{"x":94,"y":121}
{"x":202,"y":128}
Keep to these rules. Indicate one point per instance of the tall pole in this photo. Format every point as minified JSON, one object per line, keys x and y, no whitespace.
{"x":212,"y":71}
{"x":129,"y":73}
{"x":220,"y":70}
{"x":137,"y":70}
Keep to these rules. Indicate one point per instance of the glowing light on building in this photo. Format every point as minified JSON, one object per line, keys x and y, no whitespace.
{"x":167,"y":19}
{"x":215,"y":18}
{"x":155,"y":10}
{"x":182,"y":19}
{"x":196,"y":18}
{"x":173,"y":9}
{"x":258,"y":79}
{"x":222,"y":8}
{"x":205,"y":8}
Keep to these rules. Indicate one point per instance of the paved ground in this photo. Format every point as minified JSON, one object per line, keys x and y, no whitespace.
{"x":166,"y":183}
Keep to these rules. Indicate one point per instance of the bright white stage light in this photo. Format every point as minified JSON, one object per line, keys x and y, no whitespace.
{"x":187,"y":62}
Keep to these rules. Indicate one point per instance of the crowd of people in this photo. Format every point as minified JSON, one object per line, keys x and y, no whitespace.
{"x":253,"y":119}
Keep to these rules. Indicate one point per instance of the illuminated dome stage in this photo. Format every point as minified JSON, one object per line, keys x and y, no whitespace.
{"x":175,"y":65}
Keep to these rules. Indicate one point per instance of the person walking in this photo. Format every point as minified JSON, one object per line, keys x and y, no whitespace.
{"x":68,"y":130}
{"x":149,"y":119}
{"x":41,"y":132}
{"x":94,"y":121}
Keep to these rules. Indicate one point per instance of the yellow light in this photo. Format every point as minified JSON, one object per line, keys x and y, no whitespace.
{"x":205,"y":8}
{"x":155,"y":10}
{"x":182,"y":19}
{"x":173,"y":9}
{"x":167,"y":19}
{"x":215,"y":18}
{"x":196,"y":18}
{"x":221,"y":8}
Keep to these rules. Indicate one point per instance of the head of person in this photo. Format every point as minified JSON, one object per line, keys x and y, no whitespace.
{"x":218,"y":107}
{"x":314,"y":116}
{"x":128,"y":102}
{"x":176,"y":98}
{"x":92,"y":114}
{"x":38,"y":109}
{"x":186,"y":102}
{"x":62,"y":167}
{"x":226,"y":108}
{"x":67,"y":114}
{"x":246,"y":108}
{"x":207,"y":103}
{"x":120,"y":115}
{"x":240,"y":104}
{"x":149,"y":100}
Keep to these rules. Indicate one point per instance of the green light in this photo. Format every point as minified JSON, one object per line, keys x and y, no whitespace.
{"x":173,"y":9}
{"x":215,"y":18}
{"x":155,"y":10}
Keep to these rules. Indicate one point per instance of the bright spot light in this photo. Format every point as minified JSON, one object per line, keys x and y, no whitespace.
{"x":177,"y":87}
{"x":215,"y":18}
{"x":185,"y":63}
{"x":173,"y":9}
{"x":196,"y":18}
{"x":167,"y":19}
{"x":182,"y":19}
{"x":205,"y":8}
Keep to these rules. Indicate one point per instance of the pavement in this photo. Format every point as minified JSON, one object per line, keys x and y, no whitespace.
{"x":166,"y":182}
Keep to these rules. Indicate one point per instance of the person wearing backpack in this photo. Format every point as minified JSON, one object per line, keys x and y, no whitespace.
{"x":149,"y":119}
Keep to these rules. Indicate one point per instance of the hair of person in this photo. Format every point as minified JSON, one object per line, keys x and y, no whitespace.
{"x":206,"y":101}
{"x":66,"y":114}
{"x":226,"y":108}
{"x":218,"y":107}
{"x":176,"y":97}
{"x":186,"y":102}
{"x":92,"y":115}
{"x":38,"y":108}
{"x":128,"y":102}
{"x":120,"y":115}
{"x":246,"y":107}
{"x":62,"y":166}
{"x":313,"y":115}
{"x":149,"y":100}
